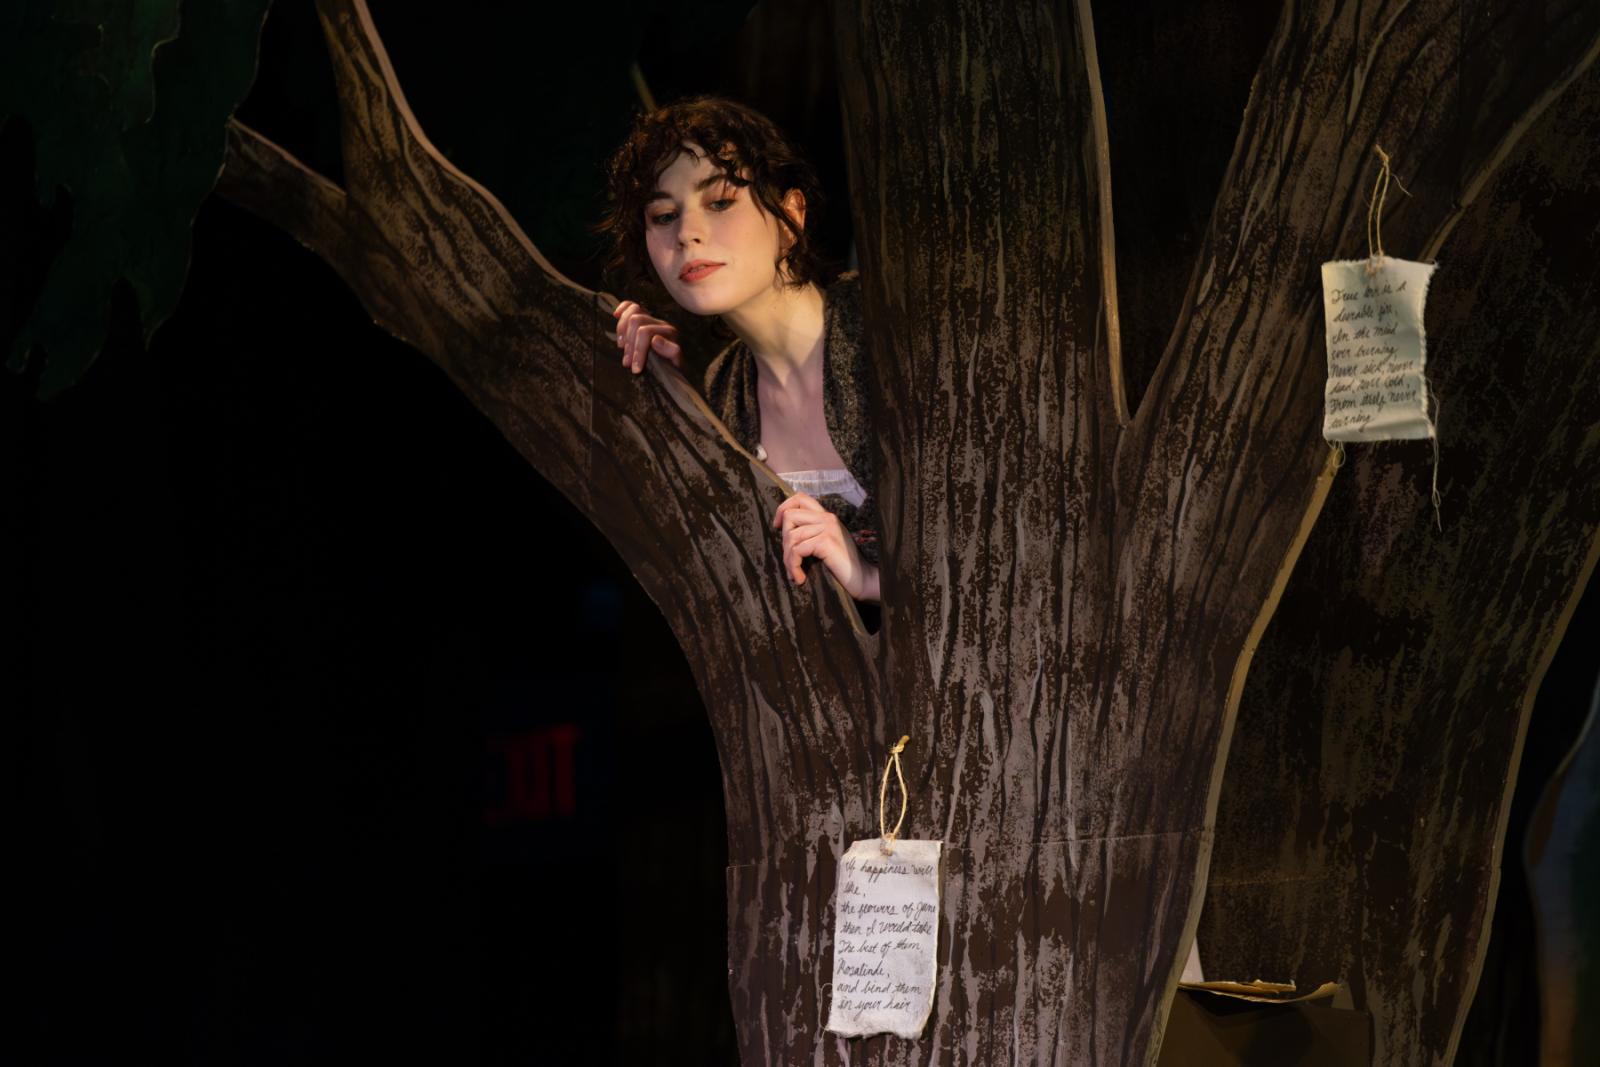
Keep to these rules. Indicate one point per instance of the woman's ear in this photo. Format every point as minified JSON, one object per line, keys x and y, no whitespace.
{"x":794,"y":205}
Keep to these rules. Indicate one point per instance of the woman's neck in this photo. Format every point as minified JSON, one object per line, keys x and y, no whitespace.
{"x":783,"y":328}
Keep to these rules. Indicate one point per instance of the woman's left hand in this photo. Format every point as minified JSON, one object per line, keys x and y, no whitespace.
{"x":809,"y":529}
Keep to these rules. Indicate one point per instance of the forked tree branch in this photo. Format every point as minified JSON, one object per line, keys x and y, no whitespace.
{"x":439,"y":262}
{"x":1363,"y":816}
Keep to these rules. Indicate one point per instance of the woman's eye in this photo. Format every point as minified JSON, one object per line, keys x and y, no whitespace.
{"x":667,"y":216}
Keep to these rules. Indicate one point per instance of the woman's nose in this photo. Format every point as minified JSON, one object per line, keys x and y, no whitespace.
{"x":690,"y":230}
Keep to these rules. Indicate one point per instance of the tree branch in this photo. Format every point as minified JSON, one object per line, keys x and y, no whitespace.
{"x":439,"y":262}
{"x":1221,"y":464}
{"x":1363,"y":832}
{"x":264,"y":179}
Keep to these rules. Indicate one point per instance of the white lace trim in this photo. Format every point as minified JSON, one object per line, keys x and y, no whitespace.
{"x":817,"y":483}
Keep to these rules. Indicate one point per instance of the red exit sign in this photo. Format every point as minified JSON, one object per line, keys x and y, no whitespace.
{"x":538,"y":770}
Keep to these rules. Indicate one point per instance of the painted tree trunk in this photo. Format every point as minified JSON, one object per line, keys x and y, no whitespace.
{"x":1361,"y":829}
{"x":1073,"y":588}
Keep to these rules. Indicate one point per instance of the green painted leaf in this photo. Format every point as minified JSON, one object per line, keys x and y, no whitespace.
{"x":127,"y":100}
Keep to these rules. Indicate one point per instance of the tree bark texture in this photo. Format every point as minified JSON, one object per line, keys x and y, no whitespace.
{"x":1073,"y":588}
{"x":1362,"y":820}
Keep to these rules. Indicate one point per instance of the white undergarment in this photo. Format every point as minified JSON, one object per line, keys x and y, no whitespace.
{"x":838,"y":481}
{"x":818,"y":483}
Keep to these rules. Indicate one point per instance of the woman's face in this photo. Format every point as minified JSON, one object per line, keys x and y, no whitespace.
{"x":712,"y":246}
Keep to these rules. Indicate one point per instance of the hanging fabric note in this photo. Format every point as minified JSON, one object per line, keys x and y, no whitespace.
{"x":1376,"y":350}
{"x":885,"y":929}
{"x":1372,"y":309}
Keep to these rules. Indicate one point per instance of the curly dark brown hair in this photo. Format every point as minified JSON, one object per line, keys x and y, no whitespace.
{"x":739,"y":139}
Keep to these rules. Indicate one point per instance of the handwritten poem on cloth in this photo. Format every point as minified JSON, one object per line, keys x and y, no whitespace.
{"x":1376,"y":349}
{"x":885,"y":933}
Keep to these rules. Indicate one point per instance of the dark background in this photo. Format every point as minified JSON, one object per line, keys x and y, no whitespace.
{"x":340,"y":736}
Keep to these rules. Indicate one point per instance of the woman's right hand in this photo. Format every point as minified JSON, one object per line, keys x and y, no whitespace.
{"x":640,"y":333}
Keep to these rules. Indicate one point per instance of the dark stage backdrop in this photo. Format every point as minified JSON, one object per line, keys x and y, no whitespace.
{"x":340,"y":736}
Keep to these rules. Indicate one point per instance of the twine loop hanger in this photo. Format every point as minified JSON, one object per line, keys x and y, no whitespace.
{"x":1380,"y":190}
{"x":883,"y":796}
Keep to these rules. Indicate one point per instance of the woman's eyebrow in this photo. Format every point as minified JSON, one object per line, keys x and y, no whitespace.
{"x":703,"y":183}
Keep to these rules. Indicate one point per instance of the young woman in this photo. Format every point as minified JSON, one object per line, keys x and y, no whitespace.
{"x":711,"y":199}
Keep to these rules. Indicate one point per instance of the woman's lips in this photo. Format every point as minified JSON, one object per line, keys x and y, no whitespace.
{"x":694,"y":274}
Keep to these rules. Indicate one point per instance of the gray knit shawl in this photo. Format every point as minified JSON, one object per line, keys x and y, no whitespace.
{"x":730,"y":389}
